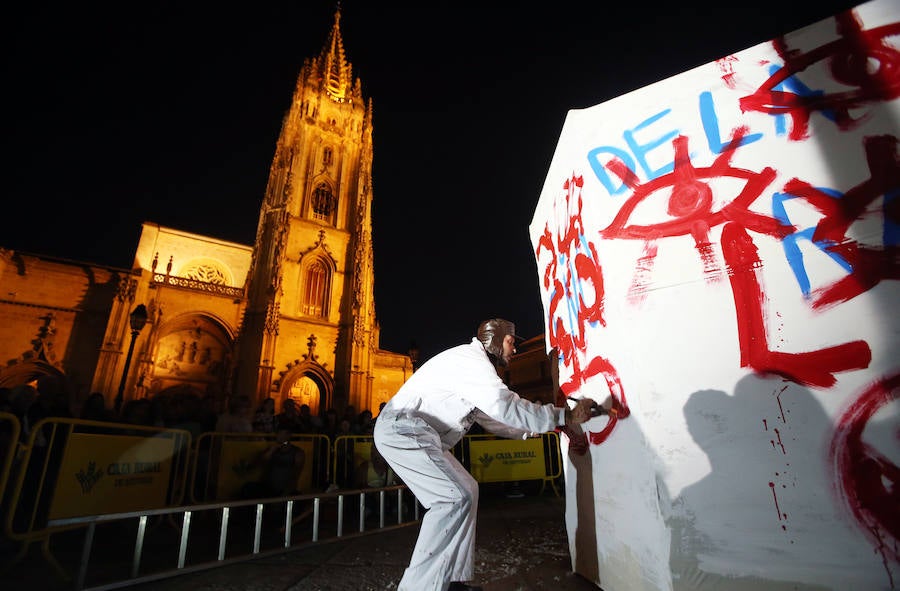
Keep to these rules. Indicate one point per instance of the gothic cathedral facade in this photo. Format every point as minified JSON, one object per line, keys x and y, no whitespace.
{"x":292,"y":316}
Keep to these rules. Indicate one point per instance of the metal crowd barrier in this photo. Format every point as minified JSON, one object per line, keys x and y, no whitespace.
{"x":224,"y":462}
{"x":10,"y":429}
{"x":324,"y":509}
{"x":487,"y":457}
{"x":70,"y":468}
{"x":493,"y":459}
{"x":352,"y":461}
{"x":80,"y":474}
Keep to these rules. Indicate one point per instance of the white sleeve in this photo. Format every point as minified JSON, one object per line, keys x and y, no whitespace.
{"x":500,"y":429}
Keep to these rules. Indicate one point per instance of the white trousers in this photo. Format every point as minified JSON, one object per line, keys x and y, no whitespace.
{"x":445,"y":547}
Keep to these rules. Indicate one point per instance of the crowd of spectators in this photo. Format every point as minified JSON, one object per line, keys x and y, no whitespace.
{"x":198,"y":415}
{"x":31,"y":403}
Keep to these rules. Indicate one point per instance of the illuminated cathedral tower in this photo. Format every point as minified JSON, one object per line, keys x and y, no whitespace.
{"x":290,"y":317}
{"x":309,"y":330}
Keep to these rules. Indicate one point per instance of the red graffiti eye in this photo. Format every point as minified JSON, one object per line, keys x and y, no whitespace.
{"x":686,"y":203}
{"x":860,"y":60}
{"x":695,"y":199}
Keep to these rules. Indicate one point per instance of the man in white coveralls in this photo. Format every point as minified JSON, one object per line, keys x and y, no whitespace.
{"x":428,"y":415}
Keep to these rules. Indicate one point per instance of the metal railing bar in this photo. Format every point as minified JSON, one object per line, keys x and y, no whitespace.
{"x":317,"y":503}
{"x":223,"y":532}
{"x":85,"y":556}
{"x":340,"y":516}
{"x":139,"y":546}
{"x":185,"y":531}
{"x":288,"y":522}
{"x":257,"y":528}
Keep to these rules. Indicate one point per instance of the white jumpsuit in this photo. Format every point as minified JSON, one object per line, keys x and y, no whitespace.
{"x":415,"y":431}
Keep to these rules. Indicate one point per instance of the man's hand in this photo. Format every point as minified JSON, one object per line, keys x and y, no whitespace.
{"x":580,"y":413}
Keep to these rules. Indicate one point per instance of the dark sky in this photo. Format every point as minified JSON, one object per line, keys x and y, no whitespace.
{"x":168,"y":112}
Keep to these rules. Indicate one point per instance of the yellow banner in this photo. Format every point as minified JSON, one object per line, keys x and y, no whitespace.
{"x":503,"y":460}
{"x":238,"y":465}
{"x":112,"y":474}
{"x":362,"y":452}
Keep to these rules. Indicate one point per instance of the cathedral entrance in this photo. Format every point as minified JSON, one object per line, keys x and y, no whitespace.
{"x":305,"y":391}
{"x":308,"y":383}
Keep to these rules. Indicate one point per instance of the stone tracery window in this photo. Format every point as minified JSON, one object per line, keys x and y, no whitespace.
{"x":323,"y":204}
{"x":316,"y":287}
{"x":205,"y":272}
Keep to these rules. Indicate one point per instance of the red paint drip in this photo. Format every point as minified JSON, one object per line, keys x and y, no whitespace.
{"x":781,"y":408}
{"x":637,"y":292}
{"x":780,"y":443}
{"x":775,"y":498}
{"x":726,"y":65}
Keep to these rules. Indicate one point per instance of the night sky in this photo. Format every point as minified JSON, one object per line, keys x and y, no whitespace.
{"x":168,"y":112}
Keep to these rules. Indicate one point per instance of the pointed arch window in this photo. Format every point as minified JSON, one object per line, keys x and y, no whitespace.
{"x":316,"y":287}
{"x":327,"y":156}
{"x":323,"y":204}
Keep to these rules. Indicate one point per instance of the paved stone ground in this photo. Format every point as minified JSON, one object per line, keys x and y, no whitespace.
{"x":521,"y":545}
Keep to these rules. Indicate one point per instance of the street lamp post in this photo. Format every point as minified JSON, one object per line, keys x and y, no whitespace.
{"x":137,"y":319}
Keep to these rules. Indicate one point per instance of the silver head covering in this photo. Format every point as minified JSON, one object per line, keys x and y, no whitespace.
{"x":492,"y":332}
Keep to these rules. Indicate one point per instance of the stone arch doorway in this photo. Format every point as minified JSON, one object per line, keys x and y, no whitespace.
{"x":308,"y":383}
{"x":30,"y":372}
{"x":192,"y":352}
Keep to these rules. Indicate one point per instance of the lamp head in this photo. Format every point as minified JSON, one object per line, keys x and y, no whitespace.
{"x":138,"y":317}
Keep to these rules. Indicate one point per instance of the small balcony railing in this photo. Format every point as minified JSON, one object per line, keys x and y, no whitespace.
{"x":196,"y":285}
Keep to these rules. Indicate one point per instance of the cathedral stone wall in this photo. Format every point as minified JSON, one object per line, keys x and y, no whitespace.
{"x":53,"y":315}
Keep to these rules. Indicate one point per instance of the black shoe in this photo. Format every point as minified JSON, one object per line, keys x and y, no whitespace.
{"x":457,"y":586}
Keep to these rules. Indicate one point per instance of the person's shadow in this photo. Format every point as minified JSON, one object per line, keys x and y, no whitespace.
{"x":766,"y":508}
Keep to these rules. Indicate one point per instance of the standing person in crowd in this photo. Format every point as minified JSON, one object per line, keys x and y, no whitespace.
{"x":95,"y":409}
{"x":237,"y":419}
{"x":380,"y":408}
{"x":264,"y":419}
{"x":308,"y":422}
{"x":288,"y":418}
{"x":350,"y":413}
{"x":282,"y":463}
{"x":364,"y":423}
{"x":331,"y":424}
{"x":137,"y":412}
{"x":210,"y":408}
{"x":428,"y":415}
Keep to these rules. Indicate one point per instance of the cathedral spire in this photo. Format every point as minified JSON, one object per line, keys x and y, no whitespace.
{"x":336,"y":74}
